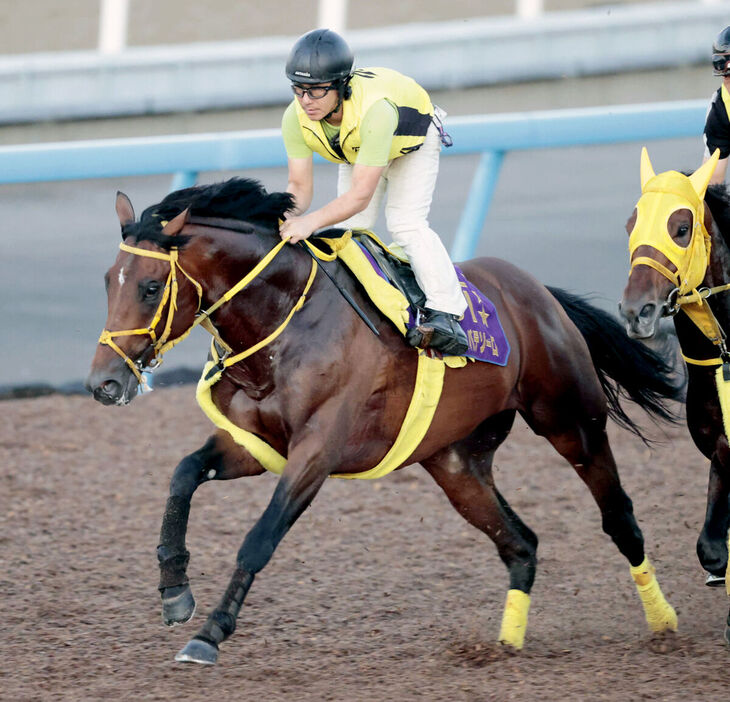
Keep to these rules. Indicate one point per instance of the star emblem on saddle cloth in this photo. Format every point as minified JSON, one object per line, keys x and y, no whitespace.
{"x":485,"y":316}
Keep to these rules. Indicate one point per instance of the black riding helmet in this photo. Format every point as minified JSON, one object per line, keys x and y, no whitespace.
{"x":319,"y":56}
{"x":721,"y":53}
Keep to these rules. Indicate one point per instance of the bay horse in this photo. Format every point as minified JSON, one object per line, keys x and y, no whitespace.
{"x":313,"y":383}
{"x":679,"y":234}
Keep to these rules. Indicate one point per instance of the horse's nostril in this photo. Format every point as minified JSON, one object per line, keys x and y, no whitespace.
{"x":648,"y":310}
{"x":108,"y":390}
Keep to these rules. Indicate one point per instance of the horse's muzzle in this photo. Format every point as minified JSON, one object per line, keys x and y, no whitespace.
{"x":112,"y":389}
{"x":640,"y":323}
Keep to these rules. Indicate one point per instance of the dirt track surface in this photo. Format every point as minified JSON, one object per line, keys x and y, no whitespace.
{"x":380,"y":592}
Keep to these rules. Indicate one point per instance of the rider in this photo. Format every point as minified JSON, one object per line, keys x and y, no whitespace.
{"x":717,"y":124}
{"x":383,"y":131}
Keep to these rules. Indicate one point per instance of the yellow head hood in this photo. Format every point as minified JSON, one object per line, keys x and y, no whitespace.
{"x":662,"y":195}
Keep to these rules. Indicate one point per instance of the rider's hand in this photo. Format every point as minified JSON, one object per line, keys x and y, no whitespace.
{"x":298,"y":228}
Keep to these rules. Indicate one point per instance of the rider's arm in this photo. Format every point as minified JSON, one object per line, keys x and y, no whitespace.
{"x":300,"y":181}
{"x":377,"y":129}
{"x":716,"y":135}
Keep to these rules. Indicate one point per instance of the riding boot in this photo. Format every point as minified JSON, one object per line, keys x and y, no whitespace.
{"x":439,"y":331}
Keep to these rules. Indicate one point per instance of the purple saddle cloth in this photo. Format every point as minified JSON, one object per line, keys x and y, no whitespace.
{"x":487,"y":341}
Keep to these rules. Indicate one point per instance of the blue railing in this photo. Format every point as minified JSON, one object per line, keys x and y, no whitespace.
{"x":490,"y":135}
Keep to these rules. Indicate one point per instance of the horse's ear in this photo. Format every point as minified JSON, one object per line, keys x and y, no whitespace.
{"x":700,"y":179}
{"x":647,"y":170}
{"x":175,"y":225}
{"x":124,"y":208}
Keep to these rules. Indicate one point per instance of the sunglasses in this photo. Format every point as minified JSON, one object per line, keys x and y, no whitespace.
{"x":315,"y":93}
{"x":720,"y":62}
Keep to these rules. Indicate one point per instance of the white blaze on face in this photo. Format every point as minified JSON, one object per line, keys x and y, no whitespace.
{"x":121,"y":276}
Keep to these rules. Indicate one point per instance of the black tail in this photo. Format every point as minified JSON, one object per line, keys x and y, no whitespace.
{"x":625,"y":366}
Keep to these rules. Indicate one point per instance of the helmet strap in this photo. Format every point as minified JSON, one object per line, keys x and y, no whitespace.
{"x":335,"y":109}
{"x":343,"y":92}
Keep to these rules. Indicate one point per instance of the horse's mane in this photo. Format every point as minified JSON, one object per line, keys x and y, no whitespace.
{"x":238,"y":198}
{"x":717,"y":198}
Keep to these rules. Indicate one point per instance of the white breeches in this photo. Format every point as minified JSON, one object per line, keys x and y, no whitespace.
{"x":409,"y":181}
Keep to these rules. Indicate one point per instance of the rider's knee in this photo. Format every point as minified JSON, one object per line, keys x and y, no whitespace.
{"x":410,"y":233}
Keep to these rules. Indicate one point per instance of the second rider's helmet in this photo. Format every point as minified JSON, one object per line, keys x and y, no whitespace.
{"x":721,"y":53}
{"x":319,"y":56}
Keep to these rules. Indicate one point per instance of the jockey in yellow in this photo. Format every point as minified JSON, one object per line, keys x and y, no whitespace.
{"x":383,"y":131}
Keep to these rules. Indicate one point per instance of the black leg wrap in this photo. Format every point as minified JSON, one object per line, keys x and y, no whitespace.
{"x":222,"y":621}
{"x":219,"y":627}
{"x":171,"y":553}
{"x":173,"y":570}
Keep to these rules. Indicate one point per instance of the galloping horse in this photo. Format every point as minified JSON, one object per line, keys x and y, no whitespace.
{"x":308,"y":381}
{"x":680,"y":265}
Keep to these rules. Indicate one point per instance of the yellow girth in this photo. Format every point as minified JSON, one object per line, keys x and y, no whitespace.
{"x":425,"y":399}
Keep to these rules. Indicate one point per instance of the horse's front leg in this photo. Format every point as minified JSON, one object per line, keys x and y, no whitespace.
{"x":218,"y":459}
{"x":299,"y":483}
{"x":712,"y":548}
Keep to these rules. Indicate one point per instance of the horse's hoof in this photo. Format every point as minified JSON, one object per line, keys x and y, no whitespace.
{"x":177,"y":607}
{"x":198,"y":651}
{"x":714,"y":580}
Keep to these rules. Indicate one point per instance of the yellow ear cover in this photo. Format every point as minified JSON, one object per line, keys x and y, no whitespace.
{"x":701,"y":177}
{"x":647,"y":170}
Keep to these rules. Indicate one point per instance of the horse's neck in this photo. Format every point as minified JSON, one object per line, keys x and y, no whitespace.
{"x":718,"y":270}
{"x":693,"y":343}
{"x":260,"y":308}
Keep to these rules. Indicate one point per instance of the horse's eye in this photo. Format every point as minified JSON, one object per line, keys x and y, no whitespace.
{"x":683,"y":230}
{"x":151,"y":291}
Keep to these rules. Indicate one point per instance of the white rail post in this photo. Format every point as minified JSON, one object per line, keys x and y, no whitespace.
{"x":113,"y":16}
{"x":529,"y":9}
{"x":332,"y":14}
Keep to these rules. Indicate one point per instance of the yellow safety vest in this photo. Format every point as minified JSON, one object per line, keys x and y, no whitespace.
{"x":368,"y":85}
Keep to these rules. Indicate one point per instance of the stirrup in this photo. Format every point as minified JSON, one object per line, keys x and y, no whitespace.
{"x":439,"y":331}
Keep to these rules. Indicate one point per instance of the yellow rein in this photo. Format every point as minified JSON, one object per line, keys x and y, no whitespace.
{"x":161,"y":345}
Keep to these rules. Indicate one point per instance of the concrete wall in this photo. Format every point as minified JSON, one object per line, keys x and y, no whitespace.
{"x":442,"y":55}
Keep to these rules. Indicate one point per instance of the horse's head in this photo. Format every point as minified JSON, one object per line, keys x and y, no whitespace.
{"x":150,"y":307}
{"x":669,"y":244}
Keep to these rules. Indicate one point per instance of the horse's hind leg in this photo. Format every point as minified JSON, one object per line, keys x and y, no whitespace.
{"x":585,"y":445}
{"x":218,"y":459}
{"x":464,"y":473}
{"x":712,"y":544}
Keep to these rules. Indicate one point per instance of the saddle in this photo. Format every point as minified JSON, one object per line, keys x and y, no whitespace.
{"x":388,"y":279}
{"x":398,"y":271}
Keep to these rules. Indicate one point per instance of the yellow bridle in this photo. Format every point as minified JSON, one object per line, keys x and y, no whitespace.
{"x":162,"y":344}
